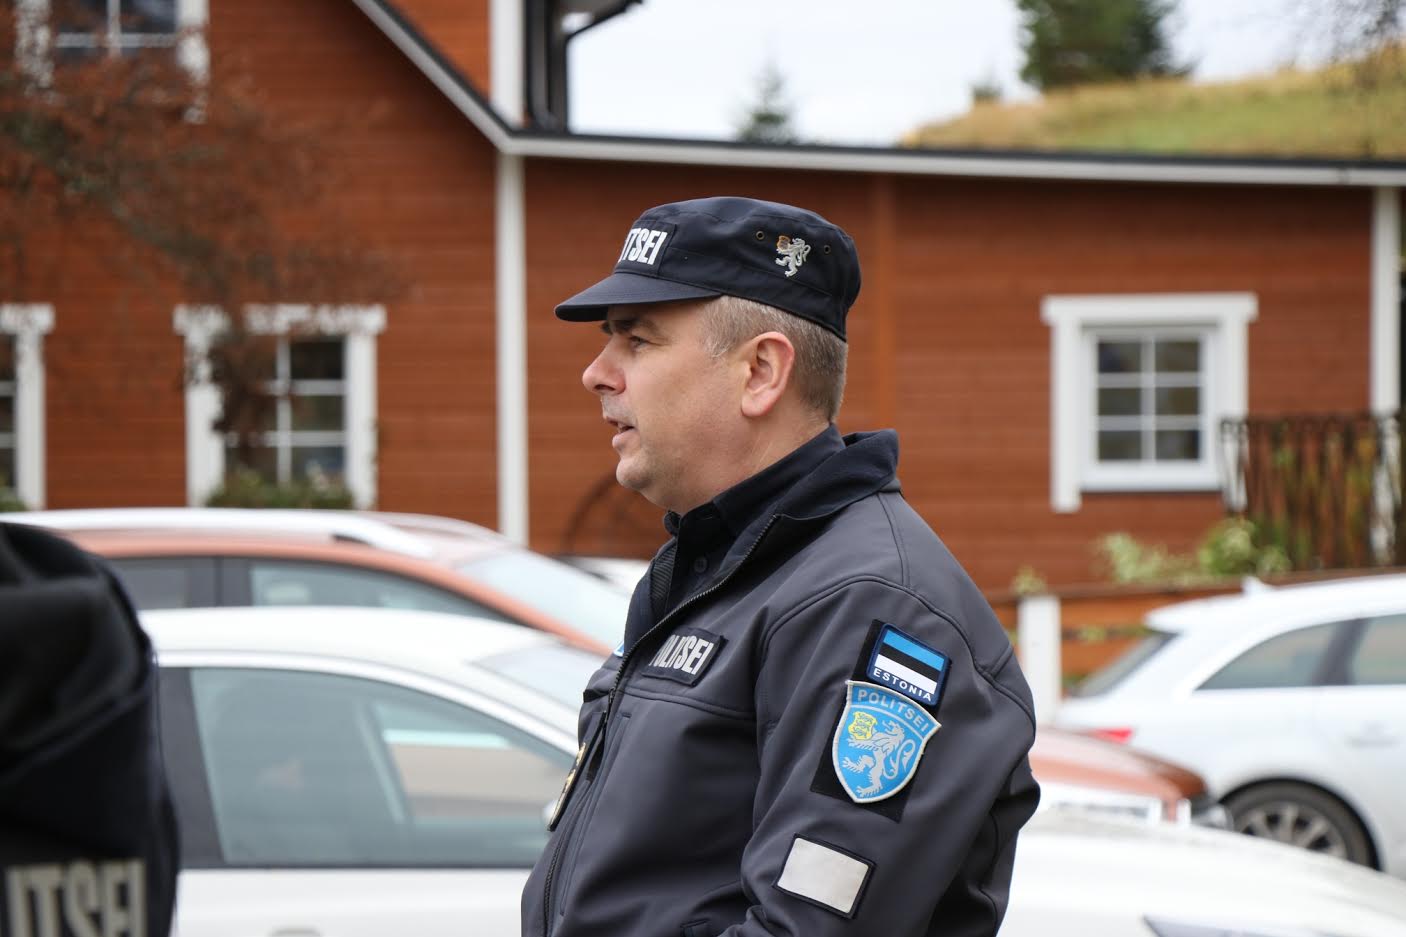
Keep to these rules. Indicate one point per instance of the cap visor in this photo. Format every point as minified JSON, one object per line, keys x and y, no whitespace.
{"x":626,"y":289}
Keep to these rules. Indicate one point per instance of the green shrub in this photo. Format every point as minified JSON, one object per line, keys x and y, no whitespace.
{"x":9,"y":501}
{"x":1232,"y":548}
{"x":1028,"y":581}
{"x":245,"y":488}
{"x":1125,"y":559}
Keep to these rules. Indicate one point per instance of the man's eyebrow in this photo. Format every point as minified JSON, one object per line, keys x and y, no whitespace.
{"x":625,"y":325}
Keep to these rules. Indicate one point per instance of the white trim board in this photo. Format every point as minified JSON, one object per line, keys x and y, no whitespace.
{"x":1385,"y":390}
{"x":358,"y":325}
{"x":28,"y":323}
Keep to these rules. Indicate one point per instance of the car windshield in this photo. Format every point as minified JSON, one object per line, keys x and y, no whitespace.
{"x":556,"y":589}
{"x":1112,"y":674}
{"x":558,"y":671}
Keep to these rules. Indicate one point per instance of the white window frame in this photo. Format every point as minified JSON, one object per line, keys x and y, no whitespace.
{"x":1222,"y":318}
{"x":27,"y":324}
{"x":358,"y":326}
{"x":34,"y":38}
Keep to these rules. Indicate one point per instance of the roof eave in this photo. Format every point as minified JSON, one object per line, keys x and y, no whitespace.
{"x":1008,"y":164}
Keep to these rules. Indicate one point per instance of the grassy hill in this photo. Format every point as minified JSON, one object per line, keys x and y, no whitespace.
{"x":1355,"y":110}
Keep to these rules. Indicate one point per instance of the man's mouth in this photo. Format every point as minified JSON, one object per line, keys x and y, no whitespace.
{"x":620,"y":426}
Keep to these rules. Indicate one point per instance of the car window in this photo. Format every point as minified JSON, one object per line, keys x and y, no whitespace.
{"x":283,"y":582}
{"x":1115,"y":672}
{"x":556,"y":589}
{"x":556,"y":670}
{"x":309,"y":769}
{"x":1292,"y":659}
{"x":1380,"y":657}
{"x":167,"y":581}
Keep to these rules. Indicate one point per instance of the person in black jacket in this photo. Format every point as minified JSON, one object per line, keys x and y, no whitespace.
{"x":88,"y":838}
{"x":815,"y":725}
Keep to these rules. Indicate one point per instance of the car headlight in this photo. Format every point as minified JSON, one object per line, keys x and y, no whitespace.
{"x":1103,"y":801}
{"x":1166,"y":927}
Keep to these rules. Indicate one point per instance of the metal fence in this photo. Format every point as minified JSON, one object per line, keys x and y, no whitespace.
{"x":1325,"y":488}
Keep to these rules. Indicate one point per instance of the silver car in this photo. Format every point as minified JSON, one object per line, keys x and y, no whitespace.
{"x":1291,"y":703}
{"x":366,"y":772}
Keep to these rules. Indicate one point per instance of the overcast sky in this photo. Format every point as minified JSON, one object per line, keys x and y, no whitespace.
{"x":865,"y":72}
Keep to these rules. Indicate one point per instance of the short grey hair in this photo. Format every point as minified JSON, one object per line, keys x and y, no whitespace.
{"x":819,"y":369}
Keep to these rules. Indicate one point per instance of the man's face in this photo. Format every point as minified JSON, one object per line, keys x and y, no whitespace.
{"x":674,"y":407}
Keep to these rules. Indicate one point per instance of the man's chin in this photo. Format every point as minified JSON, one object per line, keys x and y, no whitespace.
{"x":631,"y":477}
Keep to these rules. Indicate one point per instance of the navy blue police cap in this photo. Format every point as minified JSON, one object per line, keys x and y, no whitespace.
{"x":771,"y":253}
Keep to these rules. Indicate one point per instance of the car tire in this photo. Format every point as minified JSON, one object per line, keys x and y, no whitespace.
{"x":1301,"y":816}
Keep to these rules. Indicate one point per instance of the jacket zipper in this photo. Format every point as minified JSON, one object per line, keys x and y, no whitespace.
{"x":610,"y":708}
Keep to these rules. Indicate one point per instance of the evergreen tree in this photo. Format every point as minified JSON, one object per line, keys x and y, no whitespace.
{"x":1073,"y":42}
{"x":769,"y":119}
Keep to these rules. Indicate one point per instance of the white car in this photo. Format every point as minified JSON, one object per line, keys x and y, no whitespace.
{"x":367,"y":772}
{"x":1291,"y":703}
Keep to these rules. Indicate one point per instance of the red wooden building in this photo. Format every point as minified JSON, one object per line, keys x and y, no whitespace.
{"x":1055,"y":336}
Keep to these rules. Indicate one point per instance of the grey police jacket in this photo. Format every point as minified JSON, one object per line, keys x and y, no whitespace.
{"x":830,"y":738}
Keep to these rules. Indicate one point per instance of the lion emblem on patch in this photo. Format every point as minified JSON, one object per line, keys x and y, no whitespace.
{"x":793,"y":251}
{"x":879,"y":741}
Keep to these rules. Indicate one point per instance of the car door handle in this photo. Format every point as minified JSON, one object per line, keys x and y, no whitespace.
{"x":1371,"y":735}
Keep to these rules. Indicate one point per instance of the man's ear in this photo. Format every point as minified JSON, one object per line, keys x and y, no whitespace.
{"x":769,"y":359}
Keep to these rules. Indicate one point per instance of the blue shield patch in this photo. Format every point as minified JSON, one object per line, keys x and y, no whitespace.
{"x":879,"y":741}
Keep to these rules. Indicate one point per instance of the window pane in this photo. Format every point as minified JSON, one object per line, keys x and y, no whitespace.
{"x":1178,"y":445}
{"x":166,"y":582}
{"x":1118,"y":670}
{"x":7,"y":414}
{"x":316,"y":359}
{"x":1119,"y":357}
{"x":7,"y":467}
{"x":318,"y":413}
{"x":1381,"y":655}
{"x":464,"y":774}
{"x":79,"y":16}
{"x":561,"y":591}
{"x":328,"y":461}
{"x":288,"y":582}
{"x":148,"y":16}
{"x":1179,"y":401}
{"x":1178,"y":357}
{"x":262,"y":459}
{"x":324,"y":770}
{"x":1119,"y":401}
{"x":7,"y":359}
{"x":558,"y":670}
{"x":1119,"y":446}
{"x":1287,"y":660}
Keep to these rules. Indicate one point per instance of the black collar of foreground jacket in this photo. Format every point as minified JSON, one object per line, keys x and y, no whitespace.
{"x":737,"y":507}
{"x":865,"y":464}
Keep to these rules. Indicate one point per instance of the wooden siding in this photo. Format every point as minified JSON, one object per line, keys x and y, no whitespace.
{"x":410,"y":176}
{"x":416,"y":181}
{"x":946,"y":340}
{"x":947,"y":345}
{"x":459,"y":31}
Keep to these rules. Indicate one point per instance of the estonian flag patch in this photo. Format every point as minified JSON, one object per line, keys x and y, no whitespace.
{"x":908,"y":666}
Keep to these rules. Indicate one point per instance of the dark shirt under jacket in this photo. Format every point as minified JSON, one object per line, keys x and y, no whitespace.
{"x":702,"y":537}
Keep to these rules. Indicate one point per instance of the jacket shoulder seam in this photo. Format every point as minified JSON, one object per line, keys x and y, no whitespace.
{"x":898,"y":543}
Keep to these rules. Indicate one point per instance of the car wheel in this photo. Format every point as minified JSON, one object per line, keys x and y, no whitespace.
{"x":1300,"y":816}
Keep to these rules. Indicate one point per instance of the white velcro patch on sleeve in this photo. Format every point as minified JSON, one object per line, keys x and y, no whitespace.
{"x":824,"y":875}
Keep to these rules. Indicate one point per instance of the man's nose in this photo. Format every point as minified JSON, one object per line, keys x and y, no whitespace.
{"x":601,"y":375}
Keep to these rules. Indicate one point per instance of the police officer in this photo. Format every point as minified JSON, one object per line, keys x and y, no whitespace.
{"x":88,"y":839}
{"x":815,"y":725}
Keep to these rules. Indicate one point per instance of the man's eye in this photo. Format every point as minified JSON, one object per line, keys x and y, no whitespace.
{"x":636,"y":341}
